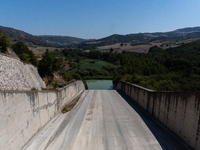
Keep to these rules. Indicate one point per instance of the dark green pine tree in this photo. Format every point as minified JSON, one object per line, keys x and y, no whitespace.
{"x":4,"y":42}
{"x":46,"y":64}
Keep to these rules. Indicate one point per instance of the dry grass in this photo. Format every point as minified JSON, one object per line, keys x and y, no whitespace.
{"x":142,"y":48}
{"x":71,"y":105}
{"x":39,"y":50}
{"x":126,"y":47}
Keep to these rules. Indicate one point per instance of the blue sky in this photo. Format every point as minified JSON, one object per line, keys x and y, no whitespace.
{"x":98,"y":18}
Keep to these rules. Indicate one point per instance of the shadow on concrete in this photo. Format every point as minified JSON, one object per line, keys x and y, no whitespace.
{"x":166,"y":138}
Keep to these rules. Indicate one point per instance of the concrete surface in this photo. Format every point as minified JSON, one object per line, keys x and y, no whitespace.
{"x":104,"y":120}
{"x":179,"y":111}
{"x":24,"y":113}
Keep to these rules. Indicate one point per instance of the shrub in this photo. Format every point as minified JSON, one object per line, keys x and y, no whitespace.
{"x":56,"y":84}
{"x":4,"y":42}
{"x":76,"y":76}
{"x":67,"y":76}
{"x":34,"y":89}
{"x":116,"y":79}
{"x":92,"y":62}
{"x":86,"y":86}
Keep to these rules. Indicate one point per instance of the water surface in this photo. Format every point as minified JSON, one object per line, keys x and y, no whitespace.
{"x":99,"y":84}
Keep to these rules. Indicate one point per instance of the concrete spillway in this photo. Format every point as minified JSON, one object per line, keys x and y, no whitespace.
{"x":104,"y":120}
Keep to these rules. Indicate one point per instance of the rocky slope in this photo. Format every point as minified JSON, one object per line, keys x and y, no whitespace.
{"x":15,"y":75}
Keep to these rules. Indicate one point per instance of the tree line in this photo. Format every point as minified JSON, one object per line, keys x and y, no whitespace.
{"x":173,"y":69}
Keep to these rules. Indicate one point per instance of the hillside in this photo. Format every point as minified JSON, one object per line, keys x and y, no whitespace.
{"x":18,"y":35}
{"x":62,"y":40}
{"x":177,"y":35}
{"x":140,"y":42}
{"x":31,"y":40}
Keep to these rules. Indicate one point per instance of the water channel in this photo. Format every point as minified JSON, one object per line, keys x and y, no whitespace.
{"x":100,"y":84}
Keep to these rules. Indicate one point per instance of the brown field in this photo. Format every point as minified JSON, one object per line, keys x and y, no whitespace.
{"x":39,"y":50}
{"x":125,"y":47}
{"x":142,"y":48}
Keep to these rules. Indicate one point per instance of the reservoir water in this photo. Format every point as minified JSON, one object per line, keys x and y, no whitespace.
{"x":99,"y":84}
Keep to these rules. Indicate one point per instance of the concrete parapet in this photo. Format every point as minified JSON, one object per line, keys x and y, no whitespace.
{"x":69,"y":92}
{"x":24,"y":113}
{"x":179,"y":111}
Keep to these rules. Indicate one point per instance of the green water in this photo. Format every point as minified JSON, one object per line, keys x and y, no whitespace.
{"x":99,"y":84}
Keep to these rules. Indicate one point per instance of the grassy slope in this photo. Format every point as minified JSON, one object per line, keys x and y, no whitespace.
{"x":85,"y":64}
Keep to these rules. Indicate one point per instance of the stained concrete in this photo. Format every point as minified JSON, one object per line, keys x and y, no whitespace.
{"x":24,"y":113}
{"x":105,"y":120}
{"x":179,"y":111}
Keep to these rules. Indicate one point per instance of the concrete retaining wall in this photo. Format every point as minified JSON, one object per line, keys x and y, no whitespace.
{"x":68,"y":93}
{"x":24,"y":113}
{"x":179,"y":111}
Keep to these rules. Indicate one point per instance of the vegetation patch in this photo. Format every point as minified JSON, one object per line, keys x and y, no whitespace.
{"x":173,"y":69}
{"x":23,"y":52}
{"x":93,"y":64}
{"x":71,"y":105}
{"x":34,"y":89}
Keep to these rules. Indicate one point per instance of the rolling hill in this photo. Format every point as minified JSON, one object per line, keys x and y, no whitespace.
{"x":133,"y":39}
{"x":62,"y":40}
{"x":179,"y":34}
{"x":47,"y":41}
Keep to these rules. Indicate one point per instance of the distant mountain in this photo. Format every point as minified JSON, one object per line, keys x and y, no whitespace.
{"x":187,"y":30}
{"x":18,"y":35}
{"x":30,"y":40}
{"x":180,"y":34}
{"x":62,"y":40}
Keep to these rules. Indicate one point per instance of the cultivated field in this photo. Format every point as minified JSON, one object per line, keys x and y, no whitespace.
{"x":39,"y":50}
{"x":142,"y":48}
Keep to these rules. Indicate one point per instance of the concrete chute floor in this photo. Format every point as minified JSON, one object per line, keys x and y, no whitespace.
{"x":104,"y":120}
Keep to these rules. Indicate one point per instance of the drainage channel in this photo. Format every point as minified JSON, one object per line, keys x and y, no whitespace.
{"x":71,"y":104}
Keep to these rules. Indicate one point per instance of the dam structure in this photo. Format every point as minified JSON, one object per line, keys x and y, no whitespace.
{"x":127,"y":118}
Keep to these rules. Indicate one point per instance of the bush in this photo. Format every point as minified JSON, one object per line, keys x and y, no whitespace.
{"x":67,"y":76}
{"x":76,"y":76}
{"x":116,"y":79}
{"x":46,"y":64}
{"x":92,"y":62}
{"x":127,"y":78}
{"x":23,"y":52}
{"x":109,"y":68}
{"x":4,"y":42}
{"x":86,"y":86}
{"x":55,"y":85}
{"x":34,"y":89}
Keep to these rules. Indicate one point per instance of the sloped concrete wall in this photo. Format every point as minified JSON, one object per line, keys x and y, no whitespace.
{"x":179,"y":111}
{"x":69,"y":92}
{"x":15,"y":75}
{"x":24,"y":113}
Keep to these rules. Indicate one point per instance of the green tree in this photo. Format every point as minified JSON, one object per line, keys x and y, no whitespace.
{"x":24,"y":53}
{"x":46,"y":64}
{"x":25,"y":57}
{"x":4,"y":42}
{"x":76,"y":76}
{"x":67,"y":76}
